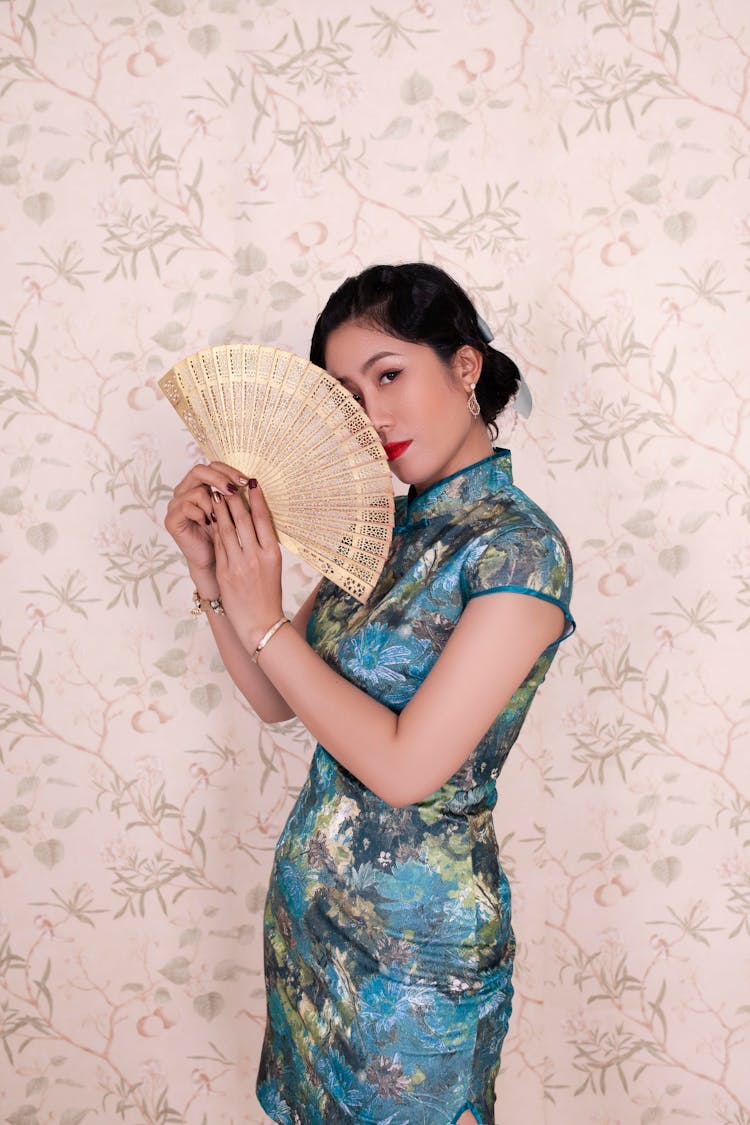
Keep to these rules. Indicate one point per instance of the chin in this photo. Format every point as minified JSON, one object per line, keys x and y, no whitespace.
{"x":401,"y":474}
{"x":396,"y":469}
{"x":413,"y":472}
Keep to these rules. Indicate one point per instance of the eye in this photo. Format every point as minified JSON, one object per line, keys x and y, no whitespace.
{"x":390,"y":375}
{"x":345,"y":388}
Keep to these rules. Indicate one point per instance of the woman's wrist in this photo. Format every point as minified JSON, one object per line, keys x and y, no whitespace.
{"x":257,"y":635}
{"x":205,"y":582}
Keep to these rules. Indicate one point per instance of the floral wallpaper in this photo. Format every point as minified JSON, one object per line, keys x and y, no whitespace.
{"x":182,"y":172}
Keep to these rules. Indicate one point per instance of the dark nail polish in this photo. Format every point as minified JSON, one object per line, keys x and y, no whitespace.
{"x":213,"y":517}
{"x":232,"y":487}
{"x":252,"y":483}
{"x":207,"y":521}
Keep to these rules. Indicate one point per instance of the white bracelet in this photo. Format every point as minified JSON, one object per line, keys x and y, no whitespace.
{"x":267,"y":636}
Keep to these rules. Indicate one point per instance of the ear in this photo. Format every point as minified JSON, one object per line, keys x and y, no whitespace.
{"x":467,"y":364}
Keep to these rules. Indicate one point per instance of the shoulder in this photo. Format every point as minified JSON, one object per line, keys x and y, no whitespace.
{"x":517,"y":545}
{"x":511,"y":518}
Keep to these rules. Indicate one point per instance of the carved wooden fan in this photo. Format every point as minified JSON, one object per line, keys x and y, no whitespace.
{"x":275,"y":416}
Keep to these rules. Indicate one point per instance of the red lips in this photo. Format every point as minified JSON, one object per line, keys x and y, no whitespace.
{"x":394,"y":449}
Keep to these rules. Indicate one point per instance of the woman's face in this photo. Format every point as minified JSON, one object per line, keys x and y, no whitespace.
{"x":411,"y":396}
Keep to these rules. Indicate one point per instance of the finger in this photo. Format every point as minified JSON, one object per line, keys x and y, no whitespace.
{"x":230,"y":539}
{"x":262,"y":518}
{"x":208,"y":477}
{"x":232,"y":473}
{"x":217,"y":475}
{"x":243,"y":521}
{"x":197,"y":513}
{"x":219,"y":548}
{"x":185,"y":510}
{"x":198,"y":505}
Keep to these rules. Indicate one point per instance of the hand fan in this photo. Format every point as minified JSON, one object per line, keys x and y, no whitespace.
{"x":272,"y":415}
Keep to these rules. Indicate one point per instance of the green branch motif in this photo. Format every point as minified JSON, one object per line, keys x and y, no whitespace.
{"x":324,"y":62}
{"x":602,"y":744}
{"x":135,"y":562}
{"x":609,"y":85}
{"x":305,"y":137}
{"x":605,"y":423}
{"x":65,"y":595}
{"x":236,"y":83}
{"x":138,"y":233}
{"x":621,"y":352}
{"x":706,"y":288}
{"x":692,"y":924}
{"x":605,"y":1053}
{"x":139,"y":879}
{"x":738,"y":1117}
{"x":620,"y":14}
{"x":739,"y":903}
{"x":614,"y":983}
{"x":78,"y":905}
{"x":738,"y":811}
{"x":487,"y":229}
{"x":702,"y":616}
{"x":152,"y":809}
{"x":66,"y":266}
{"x":392,"y":29}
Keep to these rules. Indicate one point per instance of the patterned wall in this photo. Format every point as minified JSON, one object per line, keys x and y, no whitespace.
{"x":177,"y":172}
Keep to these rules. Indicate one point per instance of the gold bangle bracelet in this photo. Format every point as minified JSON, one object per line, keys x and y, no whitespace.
{"x":202,"y":605}
{"x":267,"y":636}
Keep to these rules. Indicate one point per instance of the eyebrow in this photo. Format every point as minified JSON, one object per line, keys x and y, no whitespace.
{"x":374,"y":358}
{"x":369,"y":362}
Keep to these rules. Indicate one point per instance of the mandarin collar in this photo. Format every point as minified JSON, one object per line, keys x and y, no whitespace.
{"x":461,"y":489}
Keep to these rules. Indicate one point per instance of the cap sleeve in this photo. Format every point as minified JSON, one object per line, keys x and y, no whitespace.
{"x":526,"y":559}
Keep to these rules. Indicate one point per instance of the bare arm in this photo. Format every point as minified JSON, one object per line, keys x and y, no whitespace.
{"x":404,"y":758}
{"x":267,"y":702}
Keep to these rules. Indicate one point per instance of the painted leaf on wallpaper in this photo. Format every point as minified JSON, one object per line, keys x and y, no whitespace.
{"x":39,"y":207}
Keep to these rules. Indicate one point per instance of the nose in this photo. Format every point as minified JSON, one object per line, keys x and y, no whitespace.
{"x":381,"y":418}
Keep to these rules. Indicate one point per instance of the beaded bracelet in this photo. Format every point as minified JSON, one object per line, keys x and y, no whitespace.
{"x":267,"y":636}
{"x":201,"y":605}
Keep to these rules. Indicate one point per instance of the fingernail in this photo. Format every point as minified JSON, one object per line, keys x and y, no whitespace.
{"x":207,"y":521}
{"x":217,"y":497}
{"x":232,"y":487}
{"x":242,"y":480}
{"x":252,"y":483}
{"x":213,"y":517}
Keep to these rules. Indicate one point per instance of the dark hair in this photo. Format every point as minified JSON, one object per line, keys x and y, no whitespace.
{"x":422,"y":304}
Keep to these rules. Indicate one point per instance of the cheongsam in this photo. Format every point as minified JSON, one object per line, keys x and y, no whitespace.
{"x":388,"y":945}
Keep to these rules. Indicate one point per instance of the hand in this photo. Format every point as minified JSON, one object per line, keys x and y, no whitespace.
{"x":188,"y":519}
{"x":248,"y":564}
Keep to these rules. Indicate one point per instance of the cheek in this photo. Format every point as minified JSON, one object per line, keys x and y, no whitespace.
{"x":412,"y":406}
{"x":440,"y":403}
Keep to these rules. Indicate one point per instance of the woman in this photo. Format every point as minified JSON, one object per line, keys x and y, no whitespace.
{"x":388,"y":944}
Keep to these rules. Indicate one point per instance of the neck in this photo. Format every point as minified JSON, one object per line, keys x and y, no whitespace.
{"x":475,"y":448}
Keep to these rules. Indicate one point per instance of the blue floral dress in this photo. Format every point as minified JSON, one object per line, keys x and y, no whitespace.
{"x":388,"y":946}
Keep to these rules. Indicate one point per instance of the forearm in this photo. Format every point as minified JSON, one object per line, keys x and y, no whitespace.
{"x":268,"y":704}
{"x":354,"y":728}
